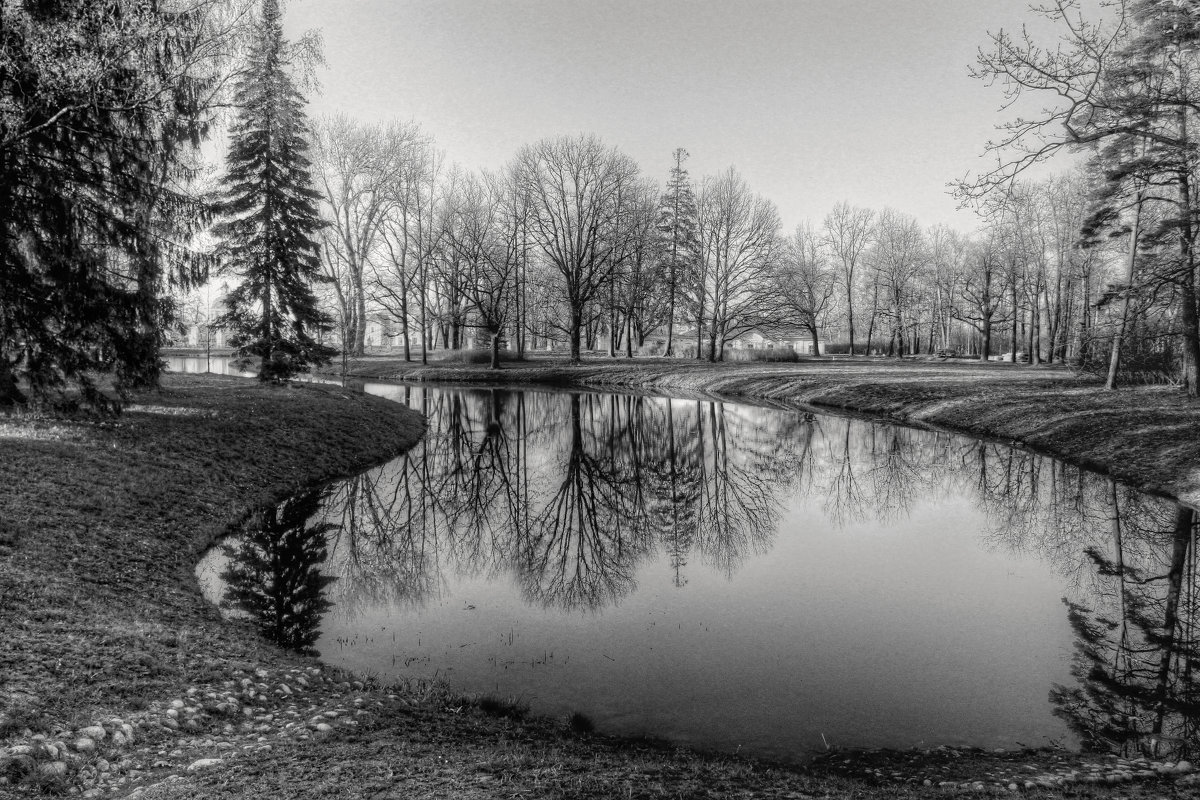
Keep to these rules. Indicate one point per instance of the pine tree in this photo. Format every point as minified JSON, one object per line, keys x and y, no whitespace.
{"x":677,"y":225}
{"x":101,"y":104}
{"x":270,"y":216}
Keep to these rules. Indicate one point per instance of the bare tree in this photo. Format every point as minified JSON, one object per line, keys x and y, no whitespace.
{"x":806,"y":281}
{"x":897,"y":256}
{"x":484,"y":230}
{"x":1132,"y":76}
{"x":360,"y":171}
{"x":579,"y":189}
{"x":947,"y":252}
{"x":739,"y":246}
{"x":640,"y":290}
{"x":847,"y":232}
{"x":980,"y":290}
{"x":412,"y":240}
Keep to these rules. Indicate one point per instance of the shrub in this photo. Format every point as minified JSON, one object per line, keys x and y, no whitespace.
{"x":689,"y":350}
{"x":654,"y":349}
{"x":843,"y":348}
{"x":504,"y":708}
{"x":579,"y":722}
{"x":782,"y":354}
{"x":470,"y":356}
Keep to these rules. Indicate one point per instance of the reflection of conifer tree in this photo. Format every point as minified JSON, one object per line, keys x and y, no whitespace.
{"x":1138,"y":689}
{"x":673,"y":488}
{"x":274,"y":573}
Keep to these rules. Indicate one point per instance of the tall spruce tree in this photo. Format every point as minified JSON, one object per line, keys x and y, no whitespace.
{"x":677,"y":224}
{"x":100,"y":105}
{"x":268,"y":234}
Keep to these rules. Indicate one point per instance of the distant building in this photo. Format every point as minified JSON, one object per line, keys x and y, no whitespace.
{"x":203,"y":335}
{"x":761,"y":337}
{"x":796,"y":338}
{"x":382,"y":332}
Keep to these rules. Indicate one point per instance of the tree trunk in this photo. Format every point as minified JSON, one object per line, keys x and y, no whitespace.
{"x":576,"y":332}
{"x":1012,"y":354}
{"x":9,"y":393}
{"x":1185,"y":520}
{"x":421,"y":277}
{"x":850,"y":316}
{"x":1191,"y":323}
{"x":874,"y":313}
{"x":1114,"y":359}
{"x":360,"y":311}
{"x":495,"y":349}
{"x":671,"y":315}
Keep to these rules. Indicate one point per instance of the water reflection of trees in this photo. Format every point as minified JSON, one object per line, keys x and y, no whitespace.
{"x":1129,"y":560}
{"x":568,"y":494}
{"x":1136,"y":641}
{"x":274,"y":574}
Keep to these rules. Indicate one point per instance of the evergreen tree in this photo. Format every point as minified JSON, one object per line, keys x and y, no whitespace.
{"x":677,"y":223}
{"x":101,"y":105}
{"x":270,"y":216}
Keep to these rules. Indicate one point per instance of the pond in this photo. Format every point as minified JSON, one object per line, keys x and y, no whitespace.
{"x":739,"y":578}
{"x":218,"y":365}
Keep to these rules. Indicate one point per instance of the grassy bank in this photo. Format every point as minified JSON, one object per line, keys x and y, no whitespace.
{"x":101,"y":525}
{"x":117,"y":677}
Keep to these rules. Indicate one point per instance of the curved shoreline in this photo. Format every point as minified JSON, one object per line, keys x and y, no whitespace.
{"x":1148,"y":437}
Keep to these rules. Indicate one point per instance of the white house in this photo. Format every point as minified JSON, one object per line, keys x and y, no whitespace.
{"x":777,"y":337}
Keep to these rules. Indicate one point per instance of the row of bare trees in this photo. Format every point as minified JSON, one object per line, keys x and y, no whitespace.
{"x":570,"y":244}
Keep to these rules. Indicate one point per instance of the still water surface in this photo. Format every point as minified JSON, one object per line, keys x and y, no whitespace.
{"x":738,"y":578}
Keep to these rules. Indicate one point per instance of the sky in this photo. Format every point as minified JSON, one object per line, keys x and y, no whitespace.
{"x":813,"y":101}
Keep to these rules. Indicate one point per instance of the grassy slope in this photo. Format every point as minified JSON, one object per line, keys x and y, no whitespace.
{"x":101,"y":526}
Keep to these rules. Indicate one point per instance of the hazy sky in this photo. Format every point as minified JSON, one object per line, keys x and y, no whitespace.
{"x":813,"y":101}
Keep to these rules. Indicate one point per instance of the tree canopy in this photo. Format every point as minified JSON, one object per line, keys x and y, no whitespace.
{"x":102,"y":107}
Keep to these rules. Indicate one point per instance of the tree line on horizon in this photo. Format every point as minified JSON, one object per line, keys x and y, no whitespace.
{"x":320,"y":228}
